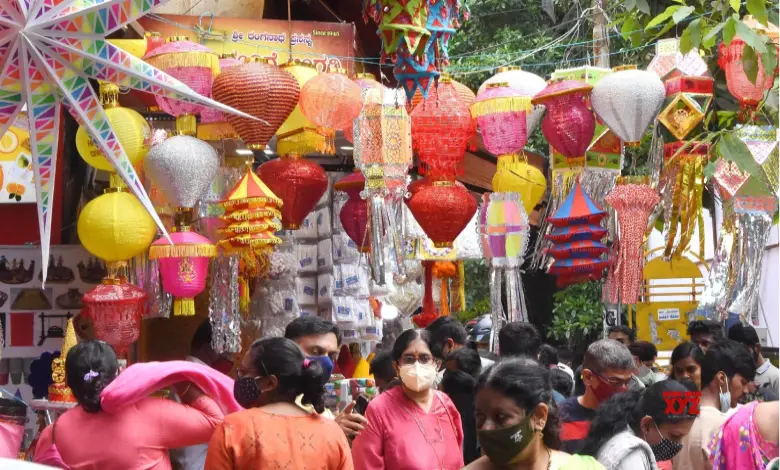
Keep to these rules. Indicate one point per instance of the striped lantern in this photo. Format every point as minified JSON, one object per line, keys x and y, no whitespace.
{"x":213,"y":123}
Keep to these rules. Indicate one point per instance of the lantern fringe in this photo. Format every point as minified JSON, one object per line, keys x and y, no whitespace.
{"x":508,"y":161}
{"x":190,"y":59}
{"x":184,"y":307}
{"x":250,"y":227}
{"x":501,"y":105}
{"x":243,"y":243}
{"x":302,"y":141}
{"x":251,"y":203}
{"x":248,"y":215}
{"x":182,"y":251}
{"x":216,"y":131}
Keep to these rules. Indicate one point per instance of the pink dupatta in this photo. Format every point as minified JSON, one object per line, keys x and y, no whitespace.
{"x":739,"y":446}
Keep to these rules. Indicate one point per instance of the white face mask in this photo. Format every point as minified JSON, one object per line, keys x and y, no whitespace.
{"x":418,"y":377}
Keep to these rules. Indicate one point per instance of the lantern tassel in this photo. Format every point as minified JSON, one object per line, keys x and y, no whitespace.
{"x":182,"y":251}
{"x":496,"y":307}
{"x":190,"y":59}
{"x":184,"y":307}
{"x":377,"y":207}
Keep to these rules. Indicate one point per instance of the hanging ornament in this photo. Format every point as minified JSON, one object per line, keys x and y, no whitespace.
{"x":628,"y":100}
{"x":568,"y":124}
{"x":262,"y":90}
{"x":763,"y":144}
{"x":193,"y":64}
{"x":443,"y":210}
{"x":464,"y":94}
{"x":115,"y":308}
{"x":687,"y":101}
{"x":250,"y":203}
{"x":364,"y":81}
{"x":668,"y":62}
{"x":153,"y":41}
{"x":298,"y":182}
{"x":524,"y":84}
{"x":298,"y":134}
{"x":441,"y":128}
{"x":748,"y":93}
{"x":332,"y":101}
{"x":354,"y":212}
{"x":515,"y":175}
{"x":213,"y":123}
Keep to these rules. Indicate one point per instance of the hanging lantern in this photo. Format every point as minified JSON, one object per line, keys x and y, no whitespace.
{"x":298,"y":134}
{"x":213,"y":123}
{"x":687,"y":101}
{"x":668,"y":62}
{"x":193,"y":64}
{"x":628,"y":100}
{"x":354,"y":212}
{"x":298,"y":182}
{"x":364,"y":81}
{"x":261,"y":90}
{"x":524,"y":84}
{"x":115,"y":308}
{"x":763,"y":144}
{"x":516,"y":175}
{"x":332,"y":101}
{"x":250,"y":203}
{"x":130,"y":127}
{"x":443,"y":210}
{"x":464,"y":93}
{"x":748,"y":94}
{"x":501,"y":114}
{"x":441,"y":128}
{"x":568,"y":124}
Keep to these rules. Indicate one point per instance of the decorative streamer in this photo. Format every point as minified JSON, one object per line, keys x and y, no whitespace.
{"x":496,"y":307}
{"x":716,"y":287}
{"x":224,"y":311}
{"x":146,"y":275}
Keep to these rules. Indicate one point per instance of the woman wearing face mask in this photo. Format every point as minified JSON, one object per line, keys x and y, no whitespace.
{"x":517,"y":423}
{"x":274,"y":432}
{"x":633,"y":431}
{"x":411,"y":427}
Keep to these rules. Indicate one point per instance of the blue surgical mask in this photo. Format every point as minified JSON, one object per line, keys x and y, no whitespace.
{"x":725,"y":398}
{"x":325,"y":362}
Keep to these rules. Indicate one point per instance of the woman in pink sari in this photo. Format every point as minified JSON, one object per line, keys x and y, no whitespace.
{"x":132,"y":437}
{"x":748,"y":440}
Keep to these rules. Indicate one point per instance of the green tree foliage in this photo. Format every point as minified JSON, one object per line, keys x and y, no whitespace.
{"x":578,"y":315}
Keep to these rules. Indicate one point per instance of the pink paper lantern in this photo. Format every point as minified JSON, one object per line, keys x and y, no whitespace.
{"x":568,"y":124}
{"x":184,"y":267}
{"x":354,"y":212}
{"x":501,"y":115}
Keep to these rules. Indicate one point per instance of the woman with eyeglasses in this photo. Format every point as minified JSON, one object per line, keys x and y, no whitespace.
{"x":411,"y":427}
{"x":274,"y":432}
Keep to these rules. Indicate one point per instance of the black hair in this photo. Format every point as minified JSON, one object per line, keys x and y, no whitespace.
{"x":467,"y":360}
{"x":311,"y":325}
{"x":548,"y":355}
{"x":442,"y":329}
{"x":566,"y":356}
{"x":730,"y":357}
{"x":408,"y":337}
{"x":202,"y":336}
{"x":519,"y":339}
{"x":381,"y":366}
{"x":283,"y":359}
{"x":644,"y":350}
{"x":708,"y":327}
{"x":622,"y":329}
{"x":561,"y":381}
{"x":627,"y":409}
{"x":528,"y":384}
{"x":89,"y":368}
{"x":606,"y":354}
{"x":686,"y":349}
{"x":744,"y":334}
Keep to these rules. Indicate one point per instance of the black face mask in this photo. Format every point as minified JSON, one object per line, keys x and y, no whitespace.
{"x":245,"y":391}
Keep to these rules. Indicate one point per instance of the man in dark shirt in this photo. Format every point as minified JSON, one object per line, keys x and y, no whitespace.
{"x":606,"y":369}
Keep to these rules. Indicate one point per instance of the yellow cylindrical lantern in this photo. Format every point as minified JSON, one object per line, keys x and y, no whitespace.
{"x":115,"y":226}
{"x":130,"y":128}
{"x":515,"y":175}
{"x":298,"y":135}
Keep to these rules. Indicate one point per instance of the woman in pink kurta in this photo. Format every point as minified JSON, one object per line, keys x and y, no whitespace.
{"x":411,"y":427}
{"x":134,"y":437}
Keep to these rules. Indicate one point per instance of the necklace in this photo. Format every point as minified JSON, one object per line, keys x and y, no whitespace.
{"x":549,"y":457}
{"x":425,"y":435}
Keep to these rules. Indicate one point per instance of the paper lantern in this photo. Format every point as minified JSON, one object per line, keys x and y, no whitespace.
{"x":332,"y":101}
{"x":504,"y":228}
{"x":568,"y":124}
{"x":298,"y":134}
{"x":687,"y":100}
{"x":748,"y":94}
{"x":525,"y":84}
{"x":668,"y":62}
{"x":184,"y":267}
{"x":579,"y":265}
{"x":500,"y":112}
{"x":578,"y":249}
{"x":628,"y":100}
{"x":364,"y":81}
{"x":443,"y":210}
{"x":576,"y":233}
{"x":516,"y":175}
{"x":577,"y":209}
{"x":259,"y":89}
{"x":250,"y":202}
{"x":115,"y":226}
{"x":193,"y":64}
{"x":441,"y":128}
{"x":131,"y":130}
{"x":464,"y":93}
{"x":354,"y":212}
{"x":115,"y":308}
{"x":298,"y":182}
{"x":213,"y":123}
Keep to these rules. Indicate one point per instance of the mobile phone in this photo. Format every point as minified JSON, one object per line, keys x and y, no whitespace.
{"x":361,"y":404}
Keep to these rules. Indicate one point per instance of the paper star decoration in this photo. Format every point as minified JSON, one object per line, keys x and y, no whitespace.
{"x":48,"y":50}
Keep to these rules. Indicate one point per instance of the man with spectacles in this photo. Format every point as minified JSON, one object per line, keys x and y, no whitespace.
{"x":607,"y":369}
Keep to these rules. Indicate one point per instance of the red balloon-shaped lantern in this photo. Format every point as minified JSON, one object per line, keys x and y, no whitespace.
{"x":115,"y":308}
{"x":331,"y":101}
{"x":259,"y":89}
{"x":443,"y":210}
{"x":354,"y":212}
{"x":441,"y":128}
{"x":568,"y":124}
{"x":748,"y":93}
{"x":298,"y":182}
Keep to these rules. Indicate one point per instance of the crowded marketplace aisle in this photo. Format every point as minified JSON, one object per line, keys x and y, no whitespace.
{"x":388,"y":234}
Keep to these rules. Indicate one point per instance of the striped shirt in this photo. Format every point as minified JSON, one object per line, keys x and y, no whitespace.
{"x":575,"y":422}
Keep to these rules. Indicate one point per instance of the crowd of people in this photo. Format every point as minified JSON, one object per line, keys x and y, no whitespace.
{"x":444,"y":402}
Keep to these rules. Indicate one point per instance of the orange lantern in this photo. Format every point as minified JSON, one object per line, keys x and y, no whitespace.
{"x":331,"y":101}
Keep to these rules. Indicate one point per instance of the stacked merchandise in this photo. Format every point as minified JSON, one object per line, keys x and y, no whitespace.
{"x":325,"y":267}
{"x":305,"y":242}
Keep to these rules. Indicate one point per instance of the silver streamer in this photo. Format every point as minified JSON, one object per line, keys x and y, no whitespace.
{"x":516,"y":310}
{"x":377,"y":209}
{"x":224,"y":309}
{"x":656,"y":156}
{"x":496,"y":307}
{"x":391,"y":230}
{"x":145,"y":273}
{"x":754,"y":232}
{"x":716,"y":287}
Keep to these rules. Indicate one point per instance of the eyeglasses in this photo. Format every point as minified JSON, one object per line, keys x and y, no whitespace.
{"x":243,"y":372}
{"x":409,"y":359}
{"x":614,"y":381}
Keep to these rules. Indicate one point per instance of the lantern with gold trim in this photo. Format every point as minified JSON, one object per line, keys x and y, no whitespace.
{"x":525,"y":84}
{"x":298,"y":134}
{"x":331,"y":101}
{"x":251,"y":212}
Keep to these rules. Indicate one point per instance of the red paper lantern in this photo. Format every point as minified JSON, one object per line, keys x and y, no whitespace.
{"x":354,"y":212}
{"x":259,"y":89}
{"x":748,"y":94}
{"x":441,"y":128}
{"x":464,"y":93}
{"x":298,"y":182}
{"x":568,"y":124}
{"x":115,"y":308}
{"x":443,"y":210}
{"x":331,"y":101}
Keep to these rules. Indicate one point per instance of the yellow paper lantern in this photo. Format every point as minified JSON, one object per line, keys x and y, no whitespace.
{"x":362,"y":369}
{"x":115,"y":226}
{"x":130,"y":128}
{"x":515,"y":175}
{"x":298,"y":135}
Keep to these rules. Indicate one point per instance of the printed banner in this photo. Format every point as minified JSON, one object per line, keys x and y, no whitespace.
{"x":16,"y":168}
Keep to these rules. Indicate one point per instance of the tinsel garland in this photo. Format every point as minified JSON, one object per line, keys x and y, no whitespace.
{"x":224,"y":312}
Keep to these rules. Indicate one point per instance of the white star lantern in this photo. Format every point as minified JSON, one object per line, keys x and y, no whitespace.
{"x":48,"y":50}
